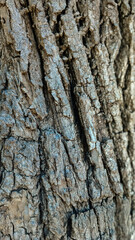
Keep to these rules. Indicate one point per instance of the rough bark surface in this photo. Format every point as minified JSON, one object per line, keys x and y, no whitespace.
{"x":67,"y":119}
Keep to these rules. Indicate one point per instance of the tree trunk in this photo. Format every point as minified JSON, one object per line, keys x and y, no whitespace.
{"x":67,"y":120}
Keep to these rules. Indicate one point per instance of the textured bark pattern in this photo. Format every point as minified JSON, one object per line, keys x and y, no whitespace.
{"x":67,"y":119}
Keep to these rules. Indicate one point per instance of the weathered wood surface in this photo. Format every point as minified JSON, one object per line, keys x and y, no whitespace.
{"x":67,"y":119}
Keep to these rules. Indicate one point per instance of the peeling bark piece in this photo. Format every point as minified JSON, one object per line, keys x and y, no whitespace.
{"x":18,"y":33}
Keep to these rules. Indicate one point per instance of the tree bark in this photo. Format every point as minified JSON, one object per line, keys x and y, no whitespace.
{"x":67,"y":119}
